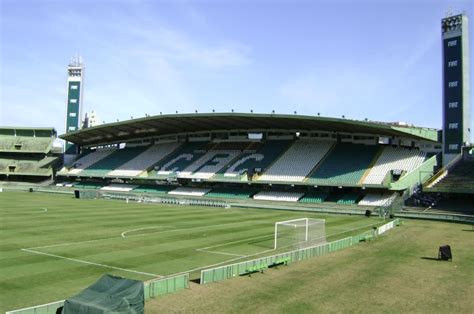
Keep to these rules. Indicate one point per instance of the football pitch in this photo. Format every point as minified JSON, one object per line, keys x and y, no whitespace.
{"x":53,"y":246}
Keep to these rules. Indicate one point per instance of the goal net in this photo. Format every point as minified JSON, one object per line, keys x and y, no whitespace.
{"x":303,"y":231}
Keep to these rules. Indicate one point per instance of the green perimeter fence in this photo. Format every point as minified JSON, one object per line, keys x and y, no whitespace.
{"x":259,"y":264}
{"x":152,"y":288}
{"x":155,"y":288}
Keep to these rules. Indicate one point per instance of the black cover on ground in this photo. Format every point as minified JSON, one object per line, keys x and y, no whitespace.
{"x":445,"y":253}
{"x":110,"y":294}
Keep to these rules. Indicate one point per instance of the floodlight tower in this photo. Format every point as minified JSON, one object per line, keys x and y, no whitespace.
{"x":75,"y":86}
{"x":456,"y":97}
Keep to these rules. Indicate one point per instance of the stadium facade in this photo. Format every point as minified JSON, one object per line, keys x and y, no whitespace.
{"x":272,"y":157}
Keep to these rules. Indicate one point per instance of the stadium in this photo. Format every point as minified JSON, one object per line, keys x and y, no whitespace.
{"x":278,"y":202}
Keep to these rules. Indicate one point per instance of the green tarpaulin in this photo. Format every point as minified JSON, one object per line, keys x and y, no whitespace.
{"x":110,"y":294}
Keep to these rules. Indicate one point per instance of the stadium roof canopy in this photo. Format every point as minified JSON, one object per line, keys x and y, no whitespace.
{"x":12,"y":130}
{"x":162,"y":125}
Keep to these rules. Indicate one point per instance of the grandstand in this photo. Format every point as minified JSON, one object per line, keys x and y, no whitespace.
{"x":400,"y":159}
{"x":288,"y":158}
{"x":455,"y":178}
{"x":345,"y":165}
{"x":298,"y":161}
{"x":27,"y":154}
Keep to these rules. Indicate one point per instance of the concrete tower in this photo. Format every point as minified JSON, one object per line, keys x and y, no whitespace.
{"x":75,"y":85}
{"x":456,"y":97}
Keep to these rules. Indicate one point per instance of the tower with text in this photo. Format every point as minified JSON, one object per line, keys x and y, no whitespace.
{"x":75,"y":86}
{"x":456,"y":97}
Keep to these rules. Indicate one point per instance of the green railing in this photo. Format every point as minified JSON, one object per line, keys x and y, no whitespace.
{"x":152,"y":288}
{"x":435,"y":216}
{"x":49,"y":308}
{"x":242,"y":268}
{"x":167,"y":285}
{"x":260,"y":264}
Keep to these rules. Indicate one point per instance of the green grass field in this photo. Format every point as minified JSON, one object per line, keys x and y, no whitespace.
{"x":397,"y":273}
{"x":53,"y":246}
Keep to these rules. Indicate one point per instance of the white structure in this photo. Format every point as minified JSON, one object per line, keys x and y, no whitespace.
{"x":394,"y":158}
{"x":215,"y":159}
{"x":278,"y":196}
{"x":91,"y":119}
{"x":376,"y":199}
{"x":299,"y":231}
{"x":232,"y":172}
{"x":190,"y":191}
{"x":298,"y":161}
{"x":119,"y":187}
{"x":143,"y":161}
{"x":88,"y":160}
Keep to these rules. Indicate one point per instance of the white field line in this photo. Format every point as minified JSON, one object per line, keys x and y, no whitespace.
{"x":221,"y":253}
{"x":237,"y":241}
{"x":220,"y":263}
{"x":206,"y":249}
{"x":123,"y":234}
{"x":32,"y":249}
{"x":90,"y":263}
{"x":68,"y":243}
{"x":135,"y":235}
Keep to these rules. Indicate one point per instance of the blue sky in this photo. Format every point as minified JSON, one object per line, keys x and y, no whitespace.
{"x":379,"y":60}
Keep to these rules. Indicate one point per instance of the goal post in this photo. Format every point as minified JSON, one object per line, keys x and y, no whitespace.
{"x":299,"y":231}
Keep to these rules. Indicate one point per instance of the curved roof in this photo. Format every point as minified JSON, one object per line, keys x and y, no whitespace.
{"x":197,"y":122}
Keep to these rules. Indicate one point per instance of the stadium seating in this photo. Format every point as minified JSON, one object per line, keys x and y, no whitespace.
{"x":460,"y":176}
{"x":179,"y":159}
{"x":157,"y":189}
{"x":314,"y":197}
{"x":88,"y":160}
{"x":29,"y":167}
{"x":143,"y":161}
{"x":26,"y":154}
{"x":278,"y":196}
{"x":26,"y":140}
{"x":111,"y":161}
{"x":298,"y":161}
{"x":394,"y":158}
{"x":189,"y":191}
{"x":348,"y":199}
{"x":207,"y":166}
{"x":119,"y":187}
{"x":88,"y":185}
{"x":248,"y":161}
{"x":230,"y":193}
{"x":344,"y":165}
{"x":378,"y":199}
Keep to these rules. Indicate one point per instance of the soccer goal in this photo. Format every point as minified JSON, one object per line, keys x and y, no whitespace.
{"x":299,"y":231}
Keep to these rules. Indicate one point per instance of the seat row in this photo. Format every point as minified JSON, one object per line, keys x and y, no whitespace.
{"x":370,"y":199}
{"x":314,"y":162}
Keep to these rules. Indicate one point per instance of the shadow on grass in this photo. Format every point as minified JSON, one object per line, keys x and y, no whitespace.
{"x":430,"y":258}
{"x":468,"y":230}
